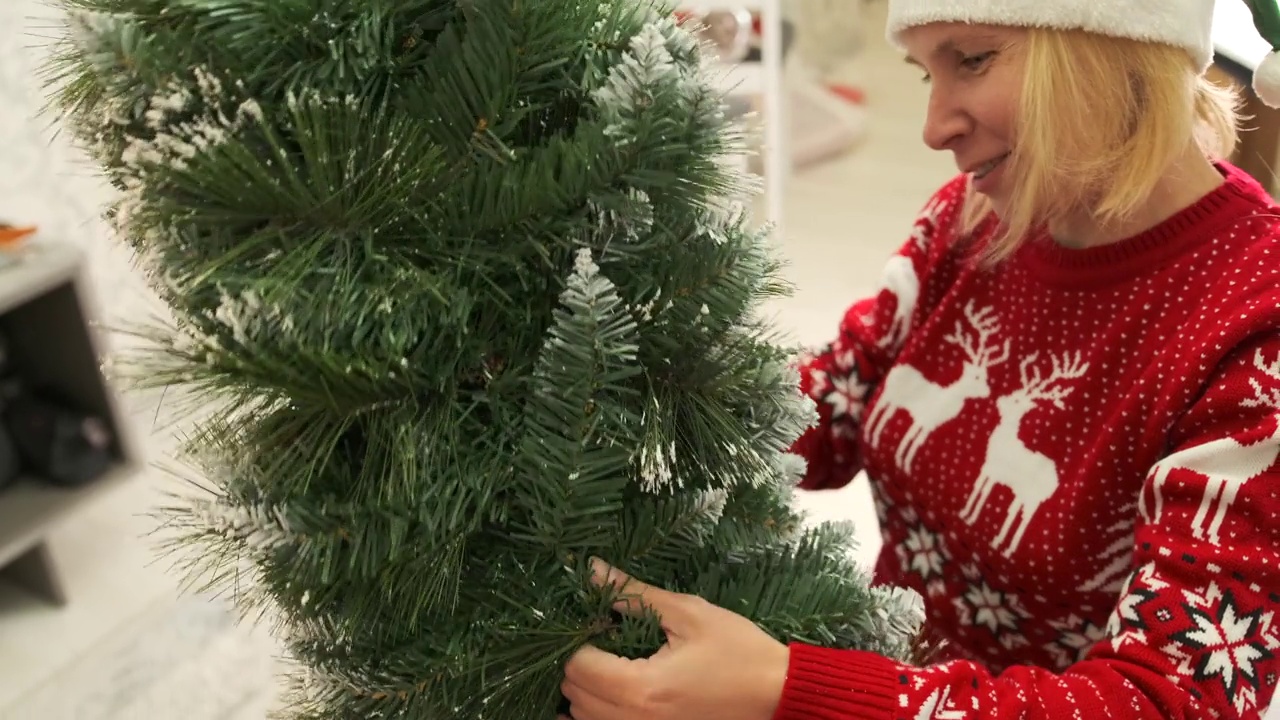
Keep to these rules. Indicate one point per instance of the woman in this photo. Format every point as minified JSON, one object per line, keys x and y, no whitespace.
{"x":1072,"y":433}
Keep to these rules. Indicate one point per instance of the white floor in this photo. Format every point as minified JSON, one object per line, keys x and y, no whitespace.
{"x":842,"y":221}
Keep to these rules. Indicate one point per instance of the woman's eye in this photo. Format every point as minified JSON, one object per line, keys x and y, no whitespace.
{"x":975,"y":62}
{"x":926,"y":79}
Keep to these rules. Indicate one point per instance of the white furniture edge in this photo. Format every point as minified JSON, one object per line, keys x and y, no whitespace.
{"x":765,"y":79}
{"x":30,"y":510}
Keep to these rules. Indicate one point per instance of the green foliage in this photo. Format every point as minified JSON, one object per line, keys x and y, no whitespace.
{"x":460,"y":283}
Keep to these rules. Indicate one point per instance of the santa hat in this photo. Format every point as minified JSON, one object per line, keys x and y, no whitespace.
{"x":1182,"y":23}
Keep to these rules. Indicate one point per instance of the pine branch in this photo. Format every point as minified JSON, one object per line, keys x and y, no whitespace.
{"x":578,"y":428}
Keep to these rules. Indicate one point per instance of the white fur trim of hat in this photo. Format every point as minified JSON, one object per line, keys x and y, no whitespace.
{"x":1182,"y":23}
{"x":1187,"y":24}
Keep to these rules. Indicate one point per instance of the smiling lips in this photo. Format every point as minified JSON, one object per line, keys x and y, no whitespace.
{"x":985,"y":169}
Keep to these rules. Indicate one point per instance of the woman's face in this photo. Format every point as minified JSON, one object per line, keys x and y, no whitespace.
{"x":975,"y":76}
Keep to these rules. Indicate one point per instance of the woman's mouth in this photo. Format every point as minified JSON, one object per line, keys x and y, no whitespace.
{"x":986,"y":168}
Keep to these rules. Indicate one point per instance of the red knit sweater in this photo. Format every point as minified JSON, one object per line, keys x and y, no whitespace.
{"x":1073,"y":458}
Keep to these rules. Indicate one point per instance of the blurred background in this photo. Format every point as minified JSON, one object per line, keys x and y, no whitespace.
{"x":94,"y":626}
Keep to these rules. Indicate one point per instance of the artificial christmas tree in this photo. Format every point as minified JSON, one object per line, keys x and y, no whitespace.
{"x":460,"y":280}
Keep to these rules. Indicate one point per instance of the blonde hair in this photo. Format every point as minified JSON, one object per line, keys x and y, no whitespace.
{"x":1099,"y":121}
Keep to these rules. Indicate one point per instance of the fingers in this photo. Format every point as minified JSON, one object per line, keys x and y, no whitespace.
{"x":583,"y":705}
{"x":636,"y":596}
{"x":602,"y":573}
{"x":603,"y":672}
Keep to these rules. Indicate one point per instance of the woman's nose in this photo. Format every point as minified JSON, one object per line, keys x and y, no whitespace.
{"x":945,"y":121}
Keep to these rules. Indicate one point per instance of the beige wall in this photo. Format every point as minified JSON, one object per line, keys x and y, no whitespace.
{"x":43,"y":180}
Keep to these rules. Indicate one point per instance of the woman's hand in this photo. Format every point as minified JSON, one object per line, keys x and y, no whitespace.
{"x":716,"y":664}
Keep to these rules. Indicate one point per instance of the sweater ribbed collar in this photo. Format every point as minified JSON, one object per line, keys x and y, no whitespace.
{"x":1239,"y":196}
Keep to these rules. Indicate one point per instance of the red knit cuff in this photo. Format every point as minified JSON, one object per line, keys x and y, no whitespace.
{"x":824,"y":684}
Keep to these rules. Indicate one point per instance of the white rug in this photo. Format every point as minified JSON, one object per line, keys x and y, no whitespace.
{"x":186,"y":659}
